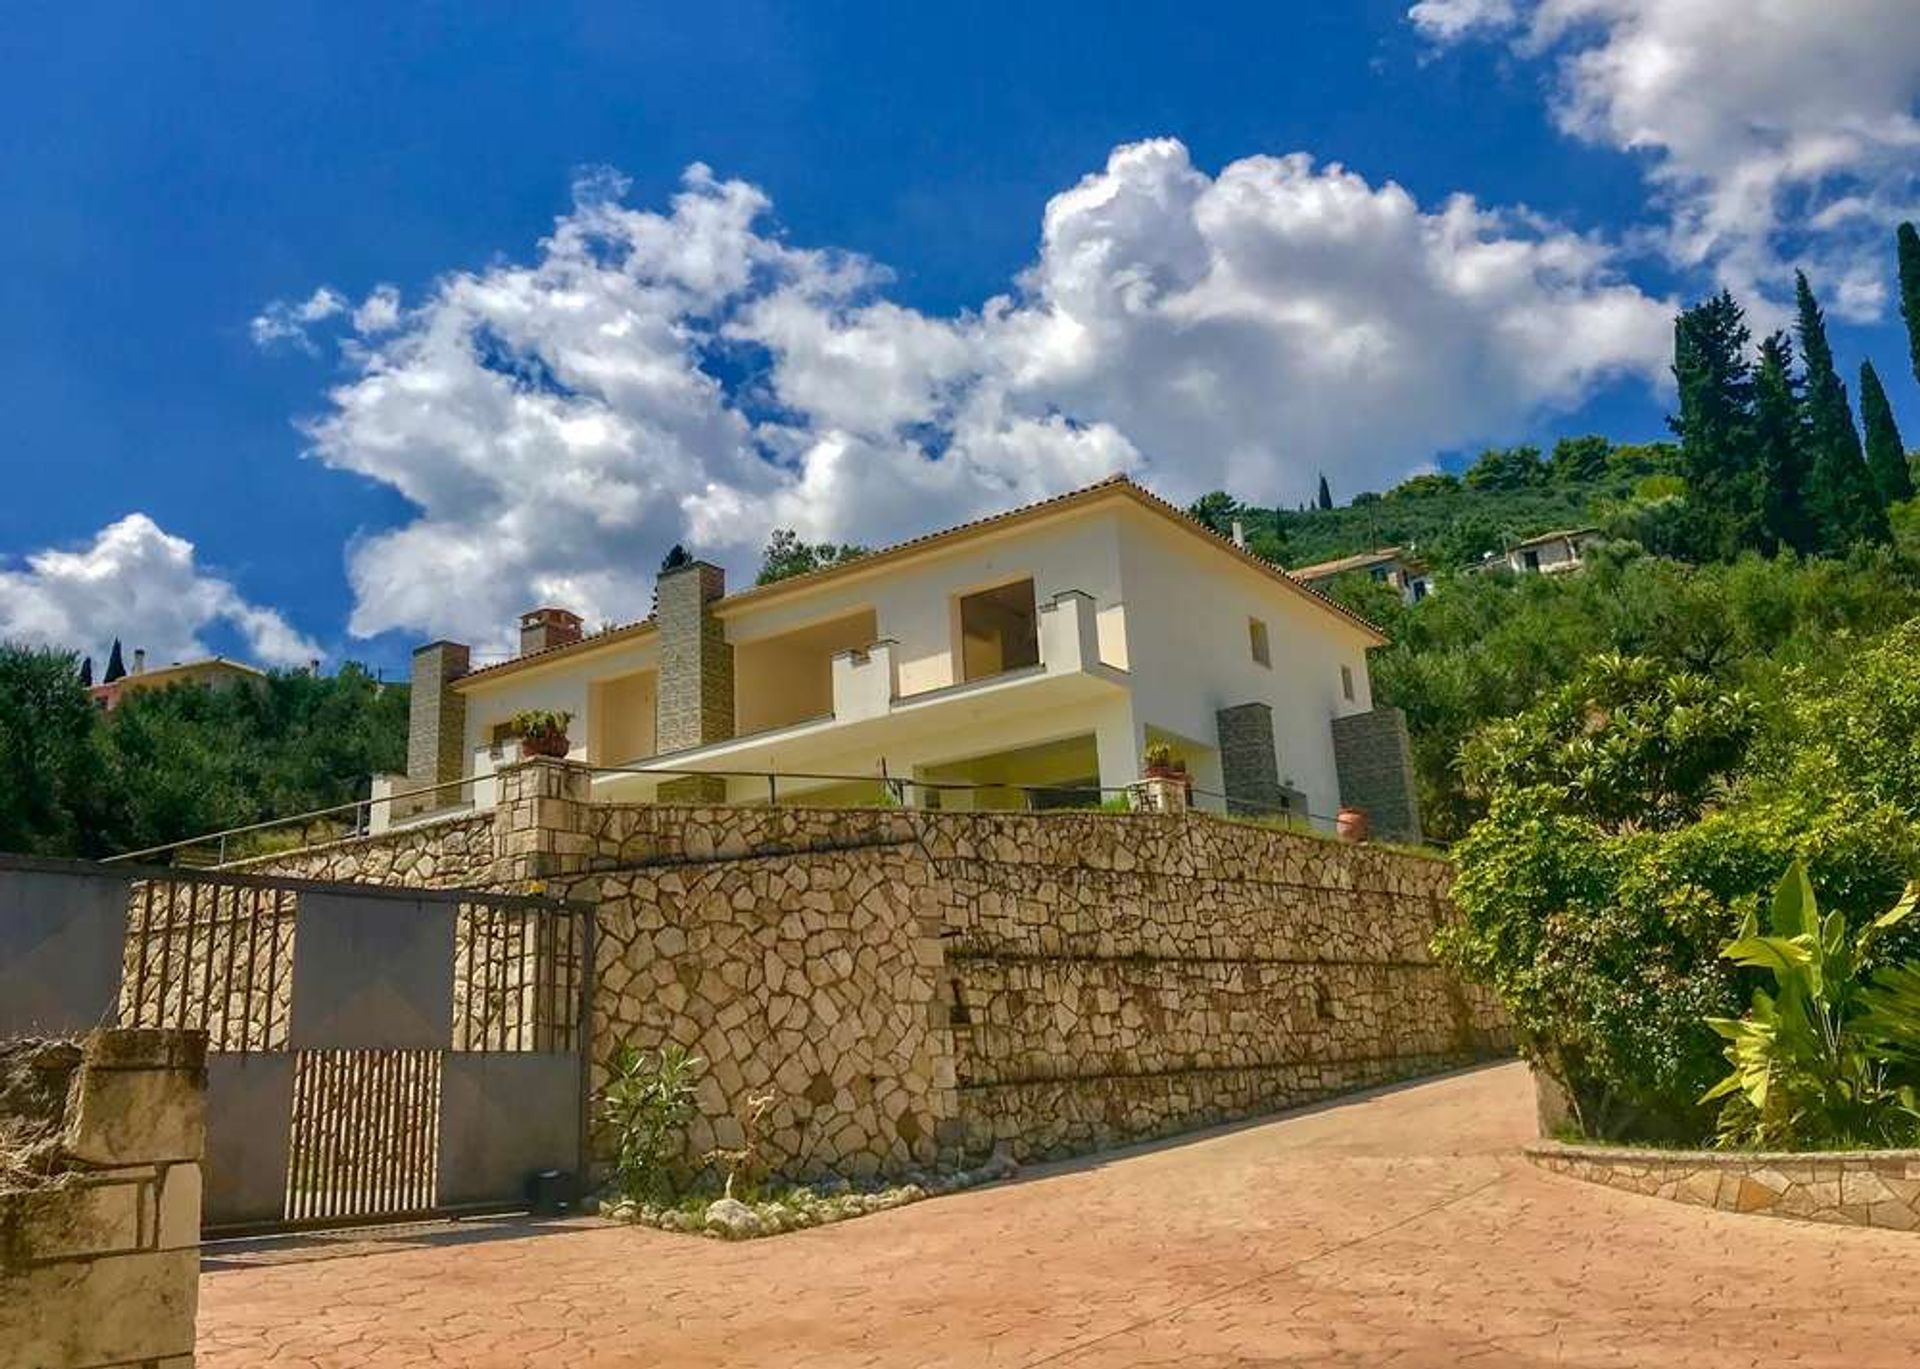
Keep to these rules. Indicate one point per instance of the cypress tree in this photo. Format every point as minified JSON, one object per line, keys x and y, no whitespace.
{"x":1886,"y":454}
{"x":1846,"y":507}
{"x":1909,"y":243}
{"x":1326,"y":495}
{"x":1781,"y":447}
{"x":116,"y":668}
{"x":1715,"y":427}
{"x":86,"y":673}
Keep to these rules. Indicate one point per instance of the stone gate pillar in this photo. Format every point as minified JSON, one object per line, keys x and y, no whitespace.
{"x":540,"y":823}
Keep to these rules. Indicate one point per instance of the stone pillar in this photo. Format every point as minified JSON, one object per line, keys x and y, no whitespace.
{"x":1249,"y":761}
{"x":104,"y":1269}
{"x":695,"y":700}
{"x":541,"y":823}
{"x":1374,"y":758}
{"x":436,"y":724}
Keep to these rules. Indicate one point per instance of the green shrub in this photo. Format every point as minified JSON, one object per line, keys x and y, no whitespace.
{"x":1828,"y":1058}
{"x":647,"y":1100}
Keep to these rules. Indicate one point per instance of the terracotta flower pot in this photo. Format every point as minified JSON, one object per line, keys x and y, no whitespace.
{"x":551,"y":744}
{"x":1352,"y":824}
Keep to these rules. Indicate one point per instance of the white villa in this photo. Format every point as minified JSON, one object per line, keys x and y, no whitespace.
{"x":1028,"y":659}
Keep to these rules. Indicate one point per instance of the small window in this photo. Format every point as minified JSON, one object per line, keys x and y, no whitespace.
{"x":1346,"y":683}
{"x":1257,"y":642}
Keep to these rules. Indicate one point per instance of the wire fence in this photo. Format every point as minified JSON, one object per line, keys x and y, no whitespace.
{"x":355,"y":818}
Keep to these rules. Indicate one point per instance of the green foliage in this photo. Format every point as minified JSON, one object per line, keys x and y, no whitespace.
{"x":1581,"y":459}
{"x":48,"y":770}
{"x":1845,"y":505}
{"x":173,"y":763}
{"x":646,"y":1102}
{"x":1508,"y":468}
{"x":1631,"y":815}
{"x":1215,"y":511}
{"x":1781,"y":447}
{"x":1907,"y":245}
{"x":1886,"y":453}
{"x":1828,"y":1058}
{"x":540,"y":724}
{"x":786,"y":556}
{"x":1715,"y":427}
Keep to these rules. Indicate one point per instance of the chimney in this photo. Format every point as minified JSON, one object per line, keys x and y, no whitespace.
{"x":544,"y":628}
{"x":1239,"y":534}
{"x":139,"y":659}
{"x":313,"y":667}
{"x":696,"y":660}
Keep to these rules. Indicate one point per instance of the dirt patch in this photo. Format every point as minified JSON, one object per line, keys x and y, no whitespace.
{"x":35,"y":1077}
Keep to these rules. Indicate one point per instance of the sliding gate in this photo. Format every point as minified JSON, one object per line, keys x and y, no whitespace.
{"x":373,"y":1053}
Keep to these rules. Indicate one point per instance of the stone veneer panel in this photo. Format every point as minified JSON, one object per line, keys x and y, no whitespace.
{"x":695,"y":700}
{"x":436,"y":721}
{"x":102,"y":1267}
{"x":922,"y":986}
{"x":1249,"y":760}
{"x":1373,"y":756}
{"x":1848,"y":1188}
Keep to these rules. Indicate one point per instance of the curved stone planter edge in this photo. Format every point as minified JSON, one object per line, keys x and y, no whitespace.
{"x":1876,"y":1188}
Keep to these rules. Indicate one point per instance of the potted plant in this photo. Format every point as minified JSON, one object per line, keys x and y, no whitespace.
{"x":1161,"y":764}
{"x":543,"y":732}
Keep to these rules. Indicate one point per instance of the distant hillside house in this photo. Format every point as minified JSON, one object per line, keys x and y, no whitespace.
{"x":1027,"y":659}
{"x":1549,"y":553}
{"x":1388,"y":566}
{"x":212,"y":672}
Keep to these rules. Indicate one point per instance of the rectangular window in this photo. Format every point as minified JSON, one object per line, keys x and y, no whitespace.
{"x":999,"y":631}
{"x":1257,"y":642}
{"x":1346,"y":683}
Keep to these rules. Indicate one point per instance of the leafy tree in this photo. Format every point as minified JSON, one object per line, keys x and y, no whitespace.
{"x":1579,"y":458}
{"x":1425,"y":486}
{"x":1216,"y":511}
{"x":1841,"y":496}
{"x":1781,"y":443}
{"x":1715,"y":426}
{"x":786,"y":556}
{"x":1509,"y":468}
{"x":1325,"y":496}
{"x":46,"y":766}
{"x":1886,"y":454}
{"x":1908,"y":241}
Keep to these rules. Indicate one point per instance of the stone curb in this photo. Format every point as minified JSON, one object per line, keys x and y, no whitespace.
{"x":1869,"y":1188}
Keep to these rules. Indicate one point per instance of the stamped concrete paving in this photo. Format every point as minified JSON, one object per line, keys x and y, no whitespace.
{"x":1399,"y":1228}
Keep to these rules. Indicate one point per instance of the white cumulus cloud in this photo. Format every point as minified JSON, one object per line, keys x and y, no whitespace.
{"x":1776,"y":131}
{"x":686,"y":373}
{"x":140,"y":584}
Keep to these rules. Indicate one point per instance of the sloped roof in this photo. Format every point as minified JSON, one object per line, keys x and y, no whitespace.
{"x":793,"y":586}
{"x":1326,"y":570}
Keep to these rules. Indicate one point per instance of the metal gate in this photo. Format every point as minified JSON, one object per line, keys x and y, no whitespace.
{"x":374,"y":1053}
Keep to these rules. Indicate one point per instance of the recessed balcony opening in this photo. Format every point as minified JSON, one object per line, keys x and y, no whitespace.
{"x":999,"y":631}
{"x":788,"y":679}
{"x":621,"y":716}
{"x":1056,"y":774}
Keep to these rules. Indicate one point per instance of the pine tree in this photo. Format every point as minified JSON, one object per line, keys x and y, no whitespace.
{"x":1326,"y":495}
{"x":1886,"y":454}
{"x":116,"y":668}
{"x":1846,"y":507}
{"x":1715,"y":427}
{"x":1909,"y":243}
{"x":1780,"y":446}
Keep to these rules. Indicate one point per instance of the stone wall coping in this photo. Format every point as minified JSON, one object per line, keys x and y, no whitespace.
{"x":1718,"y":1159}
{"x":397,"y":835}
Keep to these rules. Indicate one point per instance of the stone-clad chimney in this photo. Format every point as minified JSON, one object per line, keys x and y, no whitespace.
{"x":544,"y":628}
{"x":436,"y":721}
{"x":696,"y":671}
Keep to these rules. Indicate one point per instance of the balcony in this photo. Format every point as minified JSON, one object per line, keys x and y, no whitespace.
{"x":871,"y":721}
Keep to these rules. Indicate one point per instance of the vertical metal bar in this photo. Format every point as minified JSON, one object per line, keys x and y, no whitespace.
{"x":424,"y":1153}
{"x":275,"y":927}
{"x":255,"y":906}
{"x":382,"y":1167}
{"x":587,"y":919}
{"x":333,"y":1113}
{"x":300,"y":1148}
{"x":773,"y":790}
{"x":166,"y":963}
{"x":499,"y":1041}
{"x":226,"y":989}
{"x":142,"y":952}
{"x":206,"y":975}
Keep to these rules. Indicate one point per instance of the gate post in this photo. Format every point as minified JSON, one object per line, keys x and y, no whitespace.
{"x":541,"y":824}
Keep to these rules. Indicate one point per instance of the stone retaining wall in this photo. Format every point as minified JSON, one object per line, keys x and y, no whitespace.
{"x":918,"y":987}
{"x":99,"y":1254}
{"x":1850,"y":1188}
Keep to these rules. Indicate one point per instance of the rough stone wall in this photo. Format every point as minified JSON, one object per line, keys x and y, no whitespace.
{"x":1249,"y":761}
{"x":1853,"y":1188}
{"x":100,"y":1261}
{"x":913,"y":984}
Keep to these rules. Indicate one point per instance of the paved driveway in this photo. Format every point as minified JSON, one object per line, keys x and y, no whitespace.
{"x":1399,"y":1228}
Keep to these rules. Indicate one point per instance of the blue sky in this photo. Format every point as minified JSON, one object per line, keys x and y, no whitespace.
{"x":180,"y":179}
